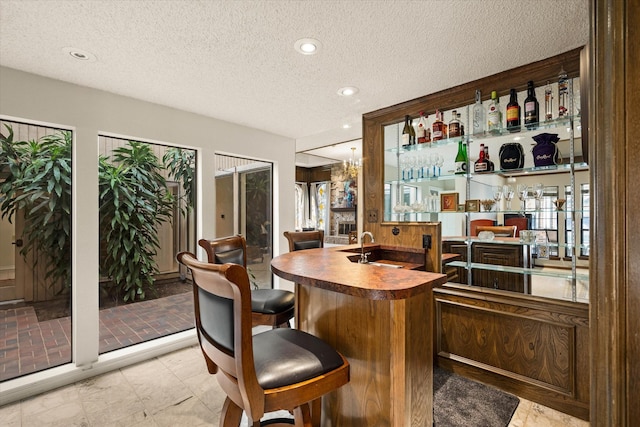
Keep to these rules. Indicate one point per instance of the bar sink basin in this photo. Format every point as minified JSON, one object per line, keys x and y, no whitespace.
{"x":389,"y":256}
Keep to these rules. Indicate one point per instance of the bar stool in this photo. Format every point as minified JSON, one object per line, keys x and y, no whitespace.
{"x":271,"y":307}
{"x":280,"y":369}
{"x":299,"y":240}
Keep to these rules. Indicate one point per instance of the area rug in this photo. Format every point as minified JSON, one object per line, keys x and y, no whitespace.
{"x":458,"y":401}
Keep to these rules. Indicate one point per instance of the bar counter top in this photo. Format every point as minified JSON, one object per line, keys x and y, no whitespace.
{"x":333,"y":269}
{"x":380,"y":318}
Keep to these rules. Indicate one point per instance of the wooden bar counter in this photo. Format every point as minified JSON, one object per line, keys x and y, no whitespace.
{"x":380,"y":318}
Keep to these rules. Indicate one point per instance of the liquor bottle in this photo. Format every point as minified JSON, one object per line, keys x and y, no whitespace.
{"x":513,"y":113}
{"x":454,"y":125}
{"x":494,"y":115}
{"x":563,"y":93}
{"x":461,"y":158}
{"x":412,"y":132}
{"x":406,"y":132}
{"x":481,"y":165}
{"x":492,"y":166}
{"x":461,"y":125}
{"x":421,"y":132}
{"x":478,"y":115}
{"x":531,"y":108}
{"x":438,"y":128}
{"x":548,"y":102}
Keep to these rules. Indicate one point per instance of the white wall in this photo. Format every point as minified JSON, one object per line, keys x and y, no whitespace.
{"x":89,"y":111}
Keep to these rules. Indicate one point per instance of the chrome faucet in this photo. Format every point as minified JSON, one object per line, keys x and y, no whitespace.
{"x":363,"y":255}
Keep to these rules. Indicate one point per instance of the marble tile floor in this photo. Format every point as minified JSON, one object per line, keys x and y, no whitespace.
{"x":171,"y":390}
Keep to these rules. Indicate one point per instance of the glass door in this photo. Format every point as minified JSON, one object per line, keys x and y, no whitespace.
{"x":244,"y":205}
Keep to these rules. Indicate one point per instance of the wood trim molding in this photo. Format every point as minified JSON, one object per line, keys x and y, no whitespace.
{"x":615,"y":261}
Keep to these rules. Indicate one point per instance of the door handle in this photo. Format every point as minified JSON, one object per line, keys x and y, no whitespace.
{"x":18,"y":243}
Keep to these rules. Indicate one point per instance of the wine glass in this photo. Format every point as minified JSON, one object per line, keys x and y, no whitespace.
{"x":523,"y":192}
{"x":427,"y":165}
{"x":434,"y":162}
{"x":507,"y":192}
{"x":410,"y":163}
{"x":497,"y":195}
{"x":403,"y":167}
{"x":538,"y":192}
{"x":440,"y":163}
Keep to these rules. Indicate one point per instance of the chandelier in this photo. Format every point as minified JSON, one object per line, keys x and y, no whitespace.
{"x":352,"y":167}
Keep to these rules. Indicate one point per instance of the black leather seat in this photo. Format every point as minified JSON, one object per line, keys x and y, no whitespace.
{"x":272,"y":307}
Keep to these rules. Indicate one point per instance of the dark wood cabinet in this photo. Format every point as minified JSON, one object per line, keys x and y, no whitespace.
{"x":497,"y":254}
{"x":507,"y":255}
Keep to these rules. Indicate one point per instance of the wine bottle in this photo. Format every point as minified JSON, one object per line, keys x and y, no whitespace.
{"x":491,"y":166}
{"x":481,"y":165}
{"x":421,"y":132}
{"x":478,"y":115}
{"x":494,"y":115}
{"x":461,"y":158}
{"x":406,"y":132}
{"x":513,"y":113}
{"x":531,"y":108}
{"x":563,"y":93}
{"x":412,"y":132}
{"x":461,"y":125}
{"x":438,"y":128}
{"x":454,"y":125}
{"x":548,"y":102}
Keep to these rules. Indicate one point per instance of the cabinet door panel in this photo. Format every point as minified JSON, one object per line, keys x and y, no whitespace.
{"x":496,"y":254}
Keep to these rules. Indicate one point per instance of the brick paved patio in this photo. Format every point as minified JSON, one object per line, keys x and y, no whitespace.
{"x":27,"y":345}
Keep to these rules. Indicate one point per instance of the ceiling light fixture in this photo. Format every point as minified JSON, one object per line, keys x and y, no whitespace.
{"x":352,"y":167}
{"x":307,"y":46}
{"x":79,"y":54}
{"x":346,"y":126}
{"x":347,"y":91}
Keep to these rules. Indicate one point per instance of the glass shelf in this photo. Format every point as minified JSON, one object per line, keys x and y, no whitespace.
{"x":559,"y":123}
{"x":535,"y":271}
{"x":562,"y":168}
{"x":536,"y":128}
{"x":463,"y":239}
{"x":513,"y":211}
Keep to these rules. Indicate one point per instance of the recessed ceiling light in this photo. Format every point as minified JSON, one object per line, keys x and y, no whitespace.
{"x":307,"y":46}
{"x":346,"y":126}
{"x":79,"y":54}
{"x":347,"y":91}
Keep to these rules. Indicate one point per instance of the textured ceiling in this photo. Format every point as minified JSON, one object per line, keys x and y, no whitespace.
{"x":234,"y":60}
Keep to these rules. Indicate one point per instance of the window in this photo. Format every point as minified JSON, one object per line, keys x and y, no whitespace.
{"x":546,"y":218}
{"x":147,"y":216}
{"x":35,"y":248}
{"x":584,"y":222}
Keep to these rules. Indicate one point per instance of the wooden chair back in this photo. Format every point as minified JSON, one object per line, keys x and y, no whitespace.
{"x":521,"y":223}
{"x":499,"y":230}
{"x":227,"y":249}
{"x":299,"y":240}
{"x":475,"y":223}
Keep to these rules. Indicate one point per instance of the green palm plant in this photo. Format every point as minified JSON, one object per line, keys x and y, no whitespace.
{"x":181,"y":165}
{"x":37,"y":182}
{"x":134,"y":201}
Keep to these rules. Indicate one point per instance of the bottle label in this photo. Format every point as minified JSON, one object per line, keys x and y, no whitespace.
{"x":513,"y":114}
{"x":529,"y":107}
{"x":405,"y":139}
{"x":437,"y":131}
{"x":454,"y":130}
{"x":480,"y":167}
{"x":461,"y":167}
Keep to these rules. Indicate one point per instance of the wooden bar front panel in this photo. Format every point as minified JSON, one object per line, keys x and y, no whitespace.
{"x":535,"y":348}
{"x":387,"y":343}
